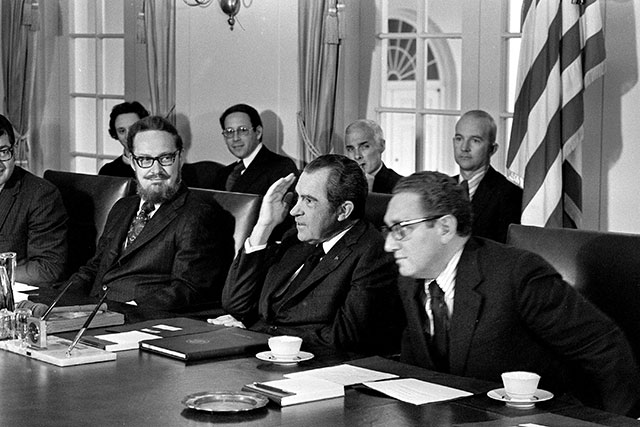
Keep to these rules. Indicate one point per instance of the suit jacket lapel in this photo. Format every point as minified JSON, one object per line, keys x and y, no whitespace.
{"x":466,"y":307}
{"x":165,"y":215}
{"x":8,"y":195}
{"x":483,"y":193}
{"x":253,"y":172}
{"x":329,"y":262}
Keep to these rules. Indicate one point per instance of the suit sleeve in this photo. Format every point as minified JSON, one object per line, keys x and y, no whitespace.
{"x":241,"y":292}
{"x":586,"y":337}
{"x":47,"y":240}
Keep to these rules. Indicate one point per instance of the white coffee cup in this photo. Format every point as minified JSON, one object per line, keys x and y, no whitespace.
{"x":285,"y":346}
{"x":520,"y":385}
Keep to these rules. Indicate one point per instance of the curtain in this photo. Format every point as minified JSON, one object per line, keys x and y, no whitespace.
{"x":20,"y":21}
{"x":318,"y":51}
{"x":159,"y":20}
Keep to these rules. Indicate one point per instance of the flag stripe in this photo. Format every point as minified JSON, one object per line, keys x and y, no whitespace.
{"x":562,"y":51}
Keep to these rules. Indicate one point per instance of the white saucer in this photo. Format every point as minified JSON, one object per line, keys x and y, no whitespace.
{"x":539,"y":396}
{"x":267,"y":356}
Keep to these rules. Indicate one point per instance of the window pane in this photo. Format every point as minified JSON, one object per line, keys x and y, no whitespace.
{"x":84,"y":13}
{"x":113,"y":66}
{"x":513,"y":51}
{"x":400,"y":135}
{"x":113,"y":19}
{"x":84,"y":68}
{"x":84,"y":117}
{"x":110,"y":146}
{"x":438,"y":151}
{"x":515,"y":7}
{"x":443,"y":71}
{"x":444,"y":16}
{"x":85,"y":165}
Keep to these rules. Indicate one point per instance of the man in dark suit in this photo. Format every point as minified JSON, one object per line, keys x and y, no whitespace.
{"x":258,"y":167}
{"x":120,"y":120}
{"x":496,"y":201}
{"x":159,"y":249}
{"x":344,"y":296}
{"x":364,"y":142}
{"x":33,"y":220}
{"x":478,"y":308}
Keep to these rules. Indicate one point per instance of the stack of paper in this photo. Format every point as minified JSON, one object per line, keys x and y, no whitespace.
{"x":291,"y":391}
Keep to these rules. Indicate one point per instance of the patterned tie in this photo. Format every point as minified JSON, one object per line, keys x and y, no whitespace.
{"x":465,"y":184}
{"x":440,"y":338}
{"x":139,"y":222}
{"x":234,"y":175}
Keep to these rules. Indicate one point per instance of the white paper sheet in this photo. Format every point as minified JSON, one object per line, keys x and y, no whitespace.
{"x":415,"y":391}
{"x":344,"y":374}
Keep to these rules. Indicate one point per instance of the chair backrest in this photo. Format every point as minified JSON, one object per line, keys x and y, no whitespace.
{"x":200,"y":174}
{"x":603,"y":266}
{"x":376,"y":207}
{"x":244,"y":208}
{"x":88,"y":200}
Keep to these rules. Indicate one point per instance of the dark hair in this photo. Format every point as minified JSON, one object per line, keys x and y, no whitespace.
{"x":490,"y":124}
{"x":6,"y":128}
{"x":440,"y":194}
{"x":153,"y":123}
{"x":253,"y":114}
{"x":125,"y":108}
{"x":347,"y":181}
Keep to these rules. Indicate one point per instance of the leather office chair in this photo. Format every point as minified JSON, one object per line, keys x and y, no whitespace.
{"x":376,"y":207}
{"x":200,"y":174}
{"x":603,"y":266}
{"x":88,"y":200}
{"x":243,"y":210}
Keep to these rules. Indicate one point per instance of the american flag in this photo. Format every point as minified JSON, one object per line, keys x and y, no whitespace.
{"x":562,"y":52}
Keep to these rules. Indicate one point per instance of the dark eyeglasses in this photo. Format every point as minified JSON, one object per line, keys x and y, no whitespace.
{"x":164,"y":160}
{"x":399,"y":230}
{"x":240,"y":130}
{"x":6,"y":154}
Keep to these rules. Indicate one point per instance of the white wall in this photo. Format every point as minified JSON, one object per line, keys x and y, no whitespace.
{"x":216,"y":68}
{"x":620,"y":148}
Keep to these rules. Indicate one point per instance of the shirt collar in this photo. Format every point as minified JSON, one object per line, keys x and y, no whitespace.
{"x":247,"y":160}
{"x":328,"y":244}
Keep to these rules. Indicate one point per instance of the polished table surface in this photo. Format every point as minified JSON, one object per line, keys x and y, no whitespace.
{"x":144,"y":389}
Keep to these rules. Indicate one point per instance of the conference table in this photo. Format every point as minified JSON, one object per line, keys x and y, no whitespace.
{"x":146,"y":389}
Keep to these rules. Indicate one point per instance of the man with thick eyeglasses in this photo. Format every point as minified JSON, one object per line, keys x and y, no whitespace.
{"x":33,"y":220}
{"x":478,"y":308}
{"x":257,"y":166}
{"x":160,"y":250}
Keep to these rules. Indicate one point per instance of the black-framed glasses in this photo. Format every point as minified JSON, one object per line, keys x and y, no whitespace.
{"x":240,"y":130}
{"x":6,"y":154}
{"x":164,"y":160}
{"x":399,"y":230}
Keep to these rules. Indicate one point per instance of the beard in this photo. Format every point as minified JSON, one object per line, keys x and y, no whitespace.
{"x":159,"y":192}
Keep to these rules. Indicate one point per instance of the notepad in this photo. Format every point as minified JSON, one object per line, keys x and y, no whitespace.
{"x":344,"y":374}
{"x":118,"y":342}
{"x":292,"y":391}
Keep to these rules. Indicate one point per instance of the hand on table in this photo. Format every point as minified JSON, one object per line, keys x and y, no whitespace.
{"x":227,"y":320}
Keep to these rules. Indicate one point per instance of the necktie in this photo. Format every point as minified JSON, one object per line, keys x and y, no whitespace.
{"x":234,"y":175}
{"x":309,"y":264}
{"x":440,"y":338}
{"x":370,"y":181}
{"x":139,"y":222}
{"x":465,"y":184}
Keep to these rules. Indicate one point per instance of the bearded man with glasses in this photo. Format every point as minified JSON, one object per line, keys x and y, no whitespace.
{"x":257,"y":167}
{"x":478,"y":308}
{"x":33,"y":220}
{"x":159,"y":249}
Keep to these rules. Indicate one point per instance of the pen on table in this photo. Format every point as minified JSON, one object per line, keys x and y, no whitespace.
{"x":273,"y":389}
{"x":55,"y":301}
{"x":87,"y":323}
